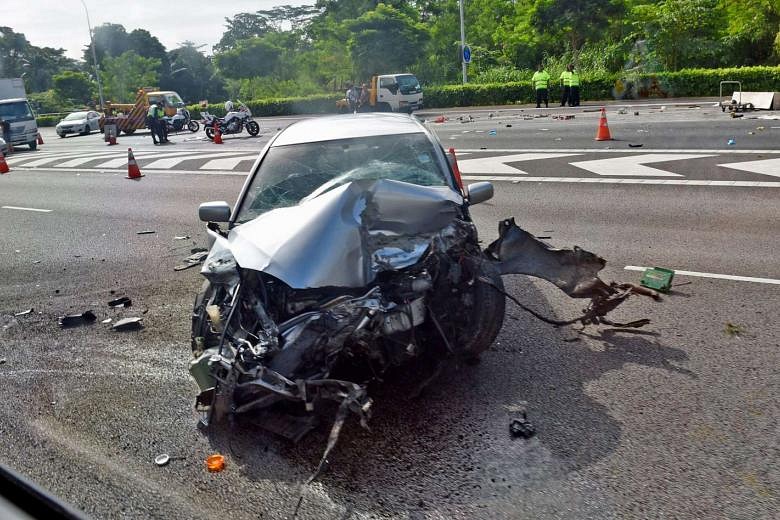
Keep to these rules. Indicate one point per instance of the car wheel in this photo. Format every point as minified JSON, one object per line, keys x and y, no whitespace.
{"x":86,"y":131}
{"x":62,"y":136}
{"x":129,"y":131}
{"x":488,"y":316}
{"x":33,"y":145}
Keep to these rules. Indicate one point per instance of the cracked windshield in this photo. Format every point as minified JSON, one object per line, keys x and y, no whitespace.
{"x":351,"y":259}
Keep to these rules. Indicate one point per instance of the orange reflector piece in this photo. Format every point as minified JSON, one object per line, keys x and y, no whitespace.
{"x":455,"y":170}
{"x":215,"y":463}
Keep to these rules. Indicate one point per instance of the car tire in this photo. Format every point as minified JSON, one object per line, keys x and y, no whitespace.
{"x":62,"y":136}
{"x":384,"y":107}
{"x":33,"y":145}
{"x":488,"y":317}
{"x":129,"y":131}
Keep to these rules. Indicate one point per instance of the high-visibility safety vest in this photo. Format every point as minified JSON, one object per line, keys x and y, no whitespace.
{"x":574,"y":79}
{"x":540,"y":79}
{"x":566,"y":78}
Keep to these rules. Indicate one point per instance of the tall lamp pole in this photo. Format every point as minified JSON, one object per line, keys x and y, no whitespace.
{"x":94,"y":57}
{"x":462,"y":42}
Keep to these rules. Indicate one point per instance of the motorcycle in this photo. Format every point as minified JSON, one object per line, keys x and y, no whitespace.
{"x":242,"y":119}
{"x":180,"y":121}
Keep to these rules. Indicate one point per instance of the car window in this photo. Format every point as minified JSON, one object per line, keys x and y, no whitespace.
{"x":408,"y":84}
{"x":15,"y":111}
{"x":292,"y":174}
{"x":75,"y":116}
{"x":386,"y":82}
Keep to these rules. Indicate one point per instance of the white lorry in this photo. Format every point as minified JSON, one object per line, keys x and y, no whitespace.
{"x":17,"y":121}
{"x":390,"y":93}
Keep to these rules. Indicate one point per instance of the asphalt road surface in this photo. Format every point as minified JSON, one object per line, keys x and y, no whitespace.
{"x":678,"y":420}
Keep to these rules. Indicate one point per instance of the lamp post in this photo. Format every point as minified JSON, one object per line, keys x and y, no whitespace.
{"x":94,"y":57}
{"x":462,"y":42}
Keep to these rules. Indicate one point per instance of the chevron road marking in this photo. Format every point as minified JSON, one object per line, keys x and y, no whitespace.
{"x":227,"y":164}
{"x":37,"y":160}
{"x":170,"y":163}
{"x":764,"y":167}
{"x":634,"y":165}
{"x":497,"y":165}
{"x":122,"y":161}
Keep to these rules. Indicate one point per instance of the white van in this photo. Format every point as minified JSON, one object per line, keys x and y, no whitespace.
{"x":16,"y":115}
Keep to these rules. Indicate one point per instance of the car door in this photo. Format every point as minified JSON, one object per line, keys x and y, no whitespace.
{"x":387,"y":91}
{"x":93,"y":119}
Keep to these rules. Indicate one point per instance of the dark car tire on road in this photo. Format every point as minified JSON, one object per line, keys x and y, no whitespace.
{"x":129,"y":131}
{"x":488,"y":318}
{"x":62,"y":136}
{"x":33,"y":145}
{"x":253,"y":128}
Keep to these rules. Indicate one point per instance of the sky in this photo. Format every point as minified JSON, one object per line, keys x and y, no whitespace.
{"x":63,"y":24}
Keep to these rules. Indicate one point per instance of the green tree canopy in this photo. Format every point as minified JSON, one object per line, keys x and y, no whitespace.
{"x":124,"y":75}
{"x":74,"y":87}
{"x":249,"y":58}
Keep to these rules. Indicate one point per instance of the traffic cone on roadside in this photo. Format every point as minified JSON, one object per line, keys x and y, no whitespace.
{"x":40,"y":139}
{"x":133,"y":172}
{"x":3,"y":165}
{"x":217,"y":134}
{"x":602,"y":134}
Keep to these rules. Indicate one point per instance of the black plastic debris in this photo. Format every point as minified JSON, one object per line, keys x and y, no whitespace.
{"x":74,"y":320}
{"x":198,"y":250}
{"x":522,"y":428}
{"x":147,"y":232}
{"x":124,"y":301}
{"x":128,"y":324}
{"x":638,"y":145}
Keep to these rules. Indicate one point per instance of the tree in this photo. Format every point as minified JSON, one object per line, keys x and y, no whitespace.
{"x":249,"y":58}
{"x":192,"y":74}
{"x":110,"y":39}
{"x":242,"y":26}
{"x":575,"y":21}
{"x":124,"y":75}
{"x":385,"y":40}
{"x":74,"y":87}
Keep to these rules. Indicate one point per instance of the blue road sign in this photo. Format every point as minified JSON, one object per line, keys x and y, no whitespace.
{"x":466,"y":54}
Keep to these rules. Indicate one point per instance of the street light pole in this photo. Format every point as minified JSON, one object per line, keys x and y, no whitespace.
{"x":462,"y":42}
{"x":94,"y":57}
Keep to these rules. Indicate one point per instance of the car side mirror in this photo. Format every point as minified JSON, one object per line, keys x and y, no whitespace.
{"x":217,"y":211}
{"x":479,"y":192}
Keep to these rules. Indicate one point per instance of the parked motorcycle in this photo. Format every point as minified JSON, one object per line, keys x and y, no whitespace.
{"x":242,"y":119}
{"x":180,"y":121}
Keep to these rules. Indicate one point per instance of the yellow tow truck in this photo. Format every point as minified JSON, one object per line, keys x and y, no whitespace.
{"x":130,"y":117}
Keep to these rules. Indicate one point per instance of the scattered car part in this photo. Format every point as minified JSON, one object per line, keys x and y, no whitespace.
{"x":198,"y":255}
{"x":162,"y":460}
{"x":522,"y":428}
{"x":74,"y":320}
{"x":128,"y":324}
{"x":657,"y":278}
{"x":23,"y":313}
{"x":146,"y":232}
{"x":215,"y":463}
{"x":124,"y":301}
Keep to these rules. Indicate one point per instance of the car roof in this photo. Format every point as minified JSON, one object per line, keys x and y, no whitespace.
{"x":331,"y":128}
{"x":13,"y":100}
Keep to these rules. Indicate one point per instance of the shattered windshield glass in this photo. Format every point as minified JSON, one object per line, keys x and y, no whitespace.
{"x":295,"y":173}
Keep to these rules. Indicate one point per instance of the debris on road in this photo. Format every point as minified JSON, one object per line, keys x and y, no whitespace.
{"x":107,"y":320}
{"x":162,"y":460}
{"x":124,"y":301}
{"x":198,"y":250}
{"x":493,"y":132}
{"x":182,"y":237}
{"x":215,"y":463}
{"x":128,"y":324}
{"x":657,"y":278}
{"x":636,"y":113}
{"x":522,"y":428}
{"x":637,"y":145}
{"x":732,"y":142}
{"x":622,"y":111}
{"x":146,"y":232}
{"x":733,"y":330}
{"x":192,"y":260}
{"x":22,"y":313}
{"x":74,"y":320}
{"x":2,"y":361}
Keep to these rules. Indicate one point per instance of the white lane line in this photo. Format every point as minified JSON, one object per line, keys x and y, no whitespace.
{"x":144,"y":170}
{"x":594,"y":180}
{"x":122,"y":161}
{"x":227,"y":164}
{"x":619,"y":150}
{"x":27,"y":209}
{"x":171,"y":162}
{"x":712,"y":275}
{"x":634,"y":165}
{"x":50,"y":158}
{"x":764,"y":167}
{"x":497,"y":165}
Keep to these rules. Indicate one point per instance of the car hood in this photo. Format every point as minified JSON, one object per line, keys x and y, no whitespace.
{"x":346,"y":236}
{"x":72,"y":122}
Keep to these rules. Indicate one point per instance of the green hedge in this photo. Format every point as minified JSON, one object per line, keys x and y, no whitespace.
{"x":48,"y":120}
{"x":594,"y":87}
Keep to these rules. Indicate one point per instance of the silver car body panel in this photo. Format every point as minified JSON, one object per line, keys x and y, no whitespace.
{"x":348,"y":126}
{"x":346,"y":236}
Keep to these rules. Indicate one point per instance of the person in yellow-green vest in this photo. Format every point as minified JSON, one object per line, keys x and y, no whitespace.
{"x":541,"y":82}
{"x":574,"y":87}
{"x":565,"y":81}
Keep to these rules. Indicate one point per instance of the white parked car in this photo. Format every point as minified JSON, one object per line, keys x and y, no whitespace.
{"x":79,"y":123}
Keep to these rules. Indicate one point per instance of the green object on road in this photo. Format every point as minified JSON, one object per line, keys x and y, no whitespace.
{"x":658,"y":278}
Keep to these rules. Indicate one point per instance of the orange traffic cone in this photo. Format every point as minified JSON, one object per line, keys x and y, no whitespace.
{"x":602,"y":134}
{"x":133,"y":172}
{"x":217,"y":134}
{"x":40,"y":139}
{"x":3,"y":165}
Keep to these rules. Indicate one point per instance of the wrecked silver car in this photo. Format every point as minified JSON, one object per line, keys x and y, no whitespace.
{"x":350,"y":251}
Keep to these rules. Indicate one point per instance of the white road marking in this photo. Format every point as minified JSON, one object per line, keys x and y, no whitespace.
{"x":54,"y":157}
{"x":122,"y":161}
{"x":81,"y":160}
{"x":764,"y":167}
{"x":170,"y":163}
{"x":497,"y":165}
{"x":227,"y":164}
{"x":595,"y":180}
{"x":712,"y":275}
{"x":27,"y":209}
{"x":634,"y":165}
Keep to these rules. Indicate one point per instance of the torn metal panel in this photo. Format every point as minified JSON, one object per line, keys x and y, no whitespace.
{"x":346,"y":236}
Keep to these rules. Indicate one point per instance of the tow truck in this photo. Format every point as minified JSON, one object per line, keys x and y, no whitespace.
{"x":391,"y":93}
{"x":130,"y":117}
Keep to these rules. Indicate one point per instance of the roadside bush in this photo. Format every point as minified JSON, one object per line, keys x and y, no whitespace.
{"x":317,"y":104}
{"x":48,"y":120}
